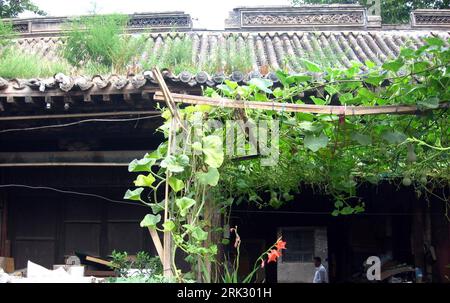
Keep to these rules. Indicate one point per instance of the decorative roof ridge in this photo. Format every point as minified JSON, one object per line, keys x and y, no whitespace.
{"x":387,"y":30}
{"x":53,"y":25}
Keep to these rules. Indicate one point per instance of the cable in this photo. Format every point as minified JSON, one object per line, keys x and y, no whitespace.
{"x":233,"y":211}
{"x":317,"y":213}
{"x":69,"y":192}
{"x":75,"y":123}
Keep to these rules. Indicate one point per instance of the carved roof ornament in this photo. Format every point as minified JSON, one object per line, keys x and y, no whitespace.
{"x":42,"y":26}
{"x":309,"y":17}
{"x":430,"y":18}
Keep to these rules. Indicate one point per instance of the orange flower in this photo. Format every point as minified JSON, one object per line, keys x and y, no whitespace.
{"x":280,"y":245}
{"x":273,"y":255}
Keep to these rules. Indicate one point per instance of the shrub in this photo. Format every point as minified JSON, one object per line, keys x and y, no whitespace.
{"x":100,"y":42}
{"x":6,"y":33}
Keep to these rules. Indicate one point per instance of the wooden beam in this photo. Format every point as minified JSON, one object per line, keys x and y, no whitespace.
{"x":299,"y":108}
{"x":75,"y":158}
{"x":157,"y":242}
{"x":81,"y":115}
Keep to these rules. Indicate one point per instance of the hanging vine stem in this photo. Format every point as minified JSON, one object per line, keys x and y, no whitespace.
{"x":420,"y":142}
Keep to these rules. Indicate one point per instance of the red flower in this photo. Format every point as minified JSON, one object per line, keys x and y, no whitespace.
{"x":273,"y":255}
{"x":280,"y":245}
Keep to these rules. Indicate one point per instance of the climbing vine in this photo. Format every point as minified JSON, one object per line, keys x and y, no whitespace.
{"x":331,"y":152}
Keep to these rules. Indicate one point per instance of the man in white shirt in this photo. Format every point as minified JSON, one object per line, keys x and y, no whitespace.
{"x":320,"y":276}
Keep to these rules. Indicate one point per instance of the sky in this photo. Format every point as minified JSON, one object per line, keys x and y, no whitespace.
{"x":209,"y":14}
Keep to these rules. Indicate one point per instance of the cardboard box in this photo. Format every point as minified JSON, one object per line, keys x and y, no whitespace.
{"x":7,"y":264}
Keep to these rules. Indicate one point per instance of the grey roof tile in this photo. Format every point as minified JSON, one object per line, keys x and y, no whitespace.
{"x":268,"y":51}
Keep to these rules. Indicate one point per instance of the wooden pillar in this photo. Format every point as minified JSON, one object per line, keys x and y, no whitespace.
{"x":417,"y":235}
{"x":214,"y":218}
{"x":428,"y":272}
{"x":4,"y":243}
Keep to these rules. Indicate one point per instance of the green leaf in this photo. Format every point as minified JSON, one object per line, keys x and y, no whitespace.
{"x":150,"y":221}
{"x":184,"y":204}
{"x":298,"y":78}
{"x":262,"y":84}
{"x":347,"y":210}
{"x":394,"y":137}
{"x":318,"y":101}
{"x":225,"y":89}
{"x":134,"y":195}
{"x":315,"y":143}
{"x":431,"y":102}
{"x":338,"y":204}
{"x":197,"y":146}
{"x":370,"y":64}
{"x":157,"y":207}
{"x":176,"y":184}
{"x":142,"y":180}
{"x":209,"y":178}
{"x":311,"y":66}
{"x":143,"y":165}
{"x":310,"y":126}
{"x":175,"y":164}
{"x":199,"y":234}
{"x":231,"y":84}
{"x":212,"y":148}
{"x":375,"y":80}
{"x":394,"y":65}
{"x":168,"y":225}
{"x":362,"y":139}
{"x":159,"y":153}
{"x":434,"y":41}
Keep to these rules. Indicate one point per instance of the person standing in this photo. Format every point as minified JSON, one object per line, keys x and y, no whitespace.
{"x":320,"y":275}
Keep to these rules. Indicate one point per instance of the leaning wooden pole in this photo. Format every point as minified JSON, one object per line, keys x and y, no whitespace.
{"x":347,"y":110}
{"x":167,"y":240}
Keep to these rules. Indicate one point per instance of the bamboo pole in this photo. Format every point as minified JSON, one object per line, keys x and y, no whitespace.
{"x":299,"y":108}
{"x":167,"y":255}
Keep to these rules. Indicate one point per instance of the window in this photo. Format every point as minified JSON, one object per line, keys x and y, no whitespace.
{"x":300,"y":245}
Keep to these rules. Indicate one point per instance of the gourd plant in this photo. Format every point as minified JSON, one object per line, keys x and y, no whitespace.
{"x":333,"y":153}
{"x":193,"y":172}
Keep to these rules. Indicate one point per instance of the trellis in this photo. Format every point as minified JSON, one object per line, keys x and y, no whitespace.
{"x":170,"y":99}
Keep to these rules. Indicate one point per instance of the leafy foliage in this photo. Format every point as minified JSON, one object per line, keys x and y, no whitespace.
{"x":6,"y":33}
{"x":332,"y":152}
{"x":147,"y":266}
{"x":12,"y":8}
{"x":336,"y":153}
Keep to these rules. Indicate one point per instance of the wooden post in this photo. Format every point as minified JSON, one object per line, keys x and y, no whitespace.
{"x":167,"y":241}
{"x":167,"y":249}
{"x":4,"y":247}
{"x":417,"y":235}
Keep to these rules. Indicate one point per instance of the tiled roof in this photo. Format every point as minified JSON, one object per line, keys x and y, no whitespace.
{"x":275,"y":49}
{"x":270,"y":51}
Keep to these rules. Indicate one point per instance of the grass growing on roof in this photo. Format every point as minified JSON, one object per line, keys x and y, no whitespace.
{"x":176,"y":55}
{"x":17,"y":64}
{"x":99,"y":43}
{"x":236,"y":57}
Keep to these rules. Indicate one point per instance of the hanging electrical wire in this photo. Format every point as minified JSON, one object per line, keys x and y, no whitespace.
{"x":76,"y":123}
{"x":68,"y":192}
